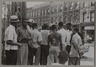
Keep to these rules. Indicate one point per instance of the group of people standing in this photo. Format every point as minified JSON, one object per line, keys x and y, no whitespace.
{"x":26,"y":45}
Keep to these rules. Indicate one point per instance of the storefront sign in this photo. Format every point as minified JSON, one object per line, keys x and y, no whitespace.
{"x":89,"y":28}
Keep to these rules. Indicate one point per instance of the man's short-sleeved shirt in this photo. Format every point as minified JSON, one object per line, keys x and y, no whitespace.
{"x":54,"y":39}
{"x":76,"y":40}
{"x":63,"y":33}
{"x":68,"y":37}
{"x":36,"y":37}
{"x":23,"y":33}
{"x":44,"y":34}
{"x":10,"y":34}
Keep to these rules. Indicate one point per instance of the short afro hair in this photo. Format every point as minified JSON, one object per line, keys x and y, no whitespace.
{"x":60,"y":24}
{"x":76,"y":29}
{"x":69,"y":24}
{"x":53,"y":27}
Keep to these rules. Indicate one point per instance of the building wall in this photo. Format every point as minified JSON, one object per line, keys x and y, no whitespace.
{"x":87,"y":19}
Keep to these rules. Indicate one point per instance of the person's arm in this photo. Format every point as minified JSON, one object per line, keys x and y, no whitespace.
{"x":60,"y":43}
{"x":39,"y":38}
{"x":10,"y":38}
{"x":75,"y":42}
{"x":48,"y":42}
{"x":10,"y":42}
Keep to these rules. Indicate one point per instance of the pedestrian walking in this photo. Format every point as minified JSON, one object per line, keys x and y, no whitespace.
{"x":55,"y":43}
{"x":63,"y":34}
{"x":36,"y":42}
{"x":11,"y":45}
{"x":23,"y":37}
{"x":44,"y":47}
{"x":74,"y":58}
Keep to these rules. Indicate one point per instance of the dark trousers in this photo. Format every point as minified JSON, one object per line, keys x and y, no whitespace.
{"x":74,"y":61}
{"x":30,"y":56}
{"x":11,"y":57}
{"x":44,"y":54}
{"x":34,"y":52}
{"x":68,"y":48}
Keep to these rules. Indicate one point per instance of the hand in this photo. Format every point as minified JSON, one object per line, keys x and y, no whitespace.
{"x":19,"y":44}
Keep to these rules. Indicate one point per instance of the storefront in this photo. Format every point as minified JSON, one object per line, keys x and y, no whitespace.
{"x":88,"y":31}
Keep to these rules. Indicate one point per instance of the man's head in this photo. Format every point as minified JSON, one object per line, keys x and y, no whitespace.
{"x":60,"y":24}
{"x":14,"y":20}
{"x":69,"y":26}
{"x":34,"y":25}
{"x":30,"y":22}
{"x":75,"y":30}
{"x":53,"y":27}
{"x":24,"y":23}
{"x":45,"y":27}
{"x":63,"y":57}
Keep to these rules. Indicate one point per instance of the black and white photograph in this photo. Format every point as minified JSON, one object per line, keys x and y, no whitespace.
{"x":48,"y":33}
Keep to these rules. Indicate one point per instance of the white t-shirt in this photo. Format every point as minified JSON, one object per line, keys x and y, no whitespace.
{"x":36,"y":36}
{"x":68,"y":37}
{"x":10,"y":34}
{"x":45,"y":34}
{"x":76,"y":40}
{"x":63,"y":33}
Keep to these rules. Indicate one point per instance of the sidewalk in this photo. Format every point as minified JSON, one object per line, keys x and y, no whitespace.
{"x":89,"y":44}
{"x":88,"y":57}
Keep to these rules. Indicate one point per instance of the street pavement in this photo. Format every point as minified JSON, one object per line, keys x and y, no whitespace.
{"x":88,"y":57}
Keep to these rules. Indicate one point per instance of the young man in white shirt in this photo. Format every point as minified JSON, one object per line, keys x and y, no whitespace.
{"x":63,"y":34}
{"x":44,"y":47}
{"x":76,"y":42}
{"x":11,"y":45}
{"x":36,"y":42}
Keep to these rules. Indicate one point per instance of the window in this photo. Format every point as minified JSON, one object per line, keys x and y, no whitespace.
{"x":86,"y":4}
{"x":39,"y":12}
{"x":42,"y":12}
{"x":61,"y":8}
{"x":86,"y":17}
{"x":33,"y":14}
{"x":48,"y":11}
{"x":78,"y":5}
{"x":45,"y":12}
{"x":52,"y":9}
{"x":57,"y":9}
{"x":92,"y":3}
{"x":51,"y":20}
{"x":71,"y":19}
{"x":92,"y":17}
